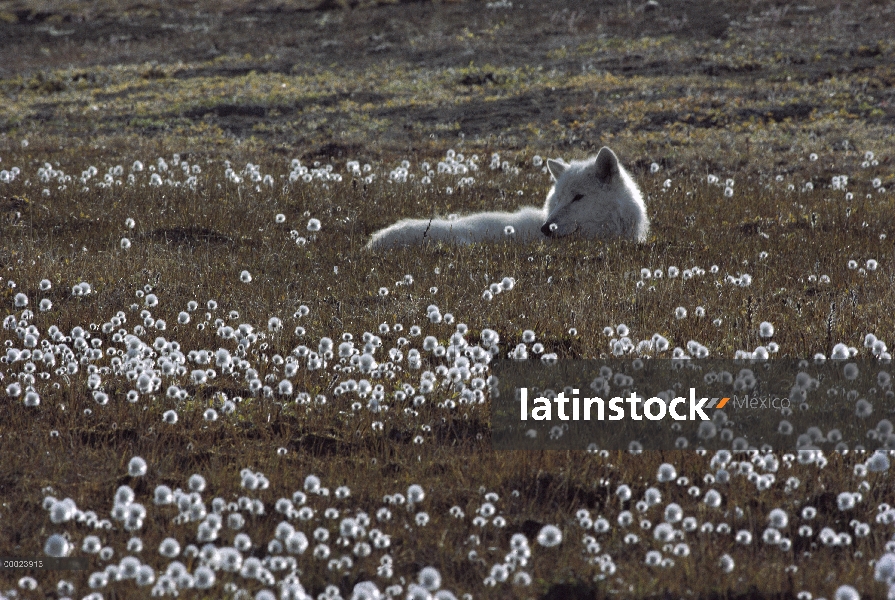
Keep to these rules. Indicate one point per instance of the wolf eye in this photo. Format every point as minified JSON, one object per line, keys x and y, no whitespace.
{"x":577,"y":197}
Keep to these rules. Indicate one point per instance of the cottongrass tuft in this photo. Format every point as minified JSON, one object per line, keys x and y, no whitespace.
{"x":203,"y":578}
{"x":196,"y":483}
{"x":163,"y":496}
{"x":136,"y":467}
{"x":57,"y":546}
{"x":845,"y":501}
{"x":549,"y":536}
{"x":666,"y":473}
{"x":727,"y":564}
{"x":778,"y":518}
{"x":846,"y":592}
{"x":673,"y":513}
{"x":766,"y":330}
{"x":429,"y":578}
{"x":312,"y":484}
{"x":415,"y":494}
{"x":884,"y":570}
{"x":169,"y":548}
{"x":245,"y":277}
{"x":125,"y":244}
{"x":878,"y":462}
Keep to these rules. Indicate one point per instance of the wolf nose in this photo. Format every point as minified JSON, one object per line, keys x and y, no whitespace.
{"x":546,"y":229}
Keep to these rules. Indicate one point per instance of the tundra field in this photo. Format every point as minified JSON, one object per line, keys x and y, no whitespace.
{"x":211,"y":389}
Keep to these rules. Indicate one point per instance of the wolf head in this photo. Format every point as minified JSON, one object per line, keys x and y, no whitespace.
{"x":594,"y":198}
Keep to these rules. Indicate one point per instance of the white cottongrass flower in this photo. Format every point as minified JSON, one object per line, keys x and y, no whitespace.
{"x":45,"y":285}
{"x":57,"y":546}
{"x":673,"y":513}
{"x":203,"y":578}
{"x":845,"y":501}
{"x":196,"y":483}
{"x":415,"y":494}
{"x":846,"y":592}
{"x":766,"y":330}
{"x":129,"y":223}
{"x":885,"y":569}
{"x":666,"y":473}
{"x":280,"y":218}
{"x":136,"y":467}
{"x":712,"y":499}
{"x":840,"y":352}
{"x":549,"y":536}
{"x":680,"y":312}
{"x":245,"y":277}
{"x":21,"y":300}
{"x":169,"y":548}
{"x":314,"y":225}
{"x":778,"y":518}
{"x":125,"y":243}
{"x":726,"y":563}
{"x":312,"y":484}
{"x":878,"y":463}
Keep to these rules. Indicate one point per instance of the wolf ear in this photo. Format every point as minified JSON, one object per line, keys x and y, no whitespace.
{"x":556,"y":167}
{"x":605,"y":166}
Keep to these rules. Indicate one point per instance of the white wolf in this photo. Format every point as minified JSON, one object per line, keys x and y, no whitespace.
{"x":594,"y":197}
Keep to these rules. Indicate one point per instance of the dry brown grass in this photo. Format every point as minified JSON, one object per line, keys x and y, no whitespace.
{"x":192,"y":246}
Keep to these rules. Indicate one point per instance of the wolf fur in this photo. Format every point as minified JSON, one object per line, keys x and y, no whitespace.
{"x":595,"y":198}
